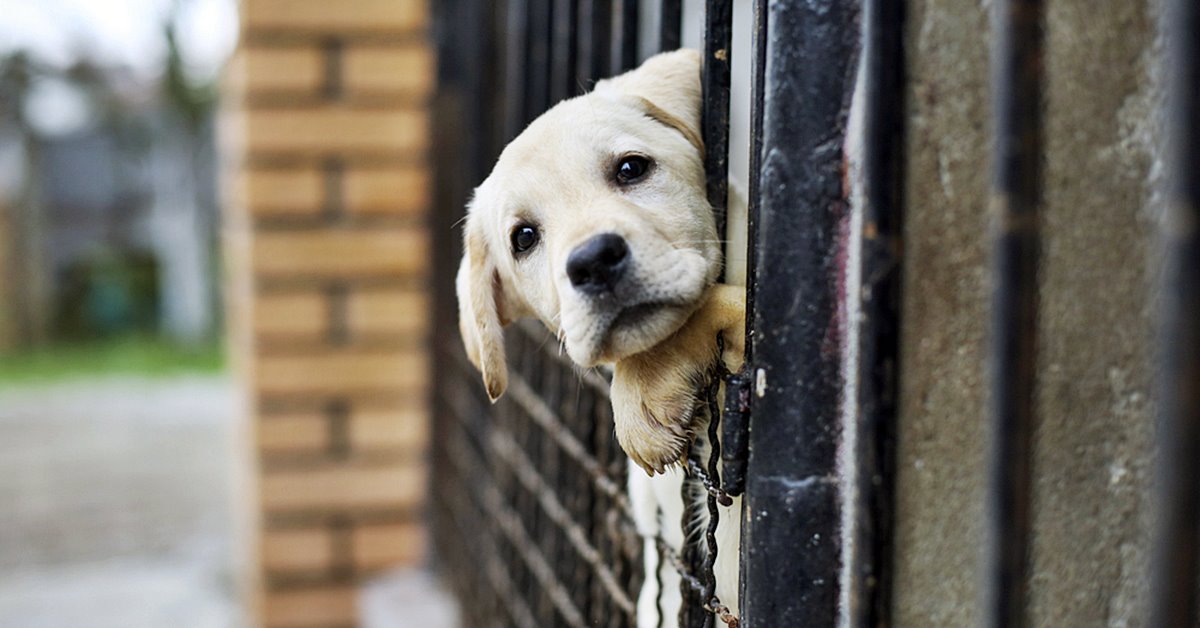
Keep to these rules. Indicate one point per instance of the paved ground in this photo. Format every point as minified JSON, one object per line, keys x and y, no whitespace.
{"x":116,"y":511}
{"x":115,"y":505}
{"x":407,"y":598}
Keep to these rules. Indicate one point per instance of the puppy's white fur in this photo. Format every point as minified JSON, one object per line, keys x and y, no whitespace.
{"x":657,"y":326}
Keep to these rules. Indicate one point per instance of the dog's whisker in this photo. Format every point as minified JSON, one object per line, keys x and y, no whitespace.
{"x":542,"y":346}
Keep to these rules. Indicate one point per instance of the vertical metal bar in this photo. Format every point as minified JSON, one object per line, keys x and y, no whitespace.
{"x":625,"y":35}
{"x":1016,"y":199}
{"x":714,"y":128}
{"x":516,"y":61}
{"x":659,"y":565}
{"x":714,"y":119}
{"x":462,"y":114}
{"x":1174,"y":602}
{"x":670,"y":25}
{"x":488,"y":98}
{"x":791,"y":551}
{"x":595,"y":35}
{"x":737,"y":403}
{"x":497,"y":62}
{"x":878,"y":333}
{"x":714,"y":77}
{"x":563,"y":61}
{"x":447,"y":102}
{"x":537,"y":63}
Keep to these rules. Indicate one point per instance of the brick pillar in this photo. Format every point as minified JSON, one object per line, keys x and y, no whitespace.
{"x":329,"y":247}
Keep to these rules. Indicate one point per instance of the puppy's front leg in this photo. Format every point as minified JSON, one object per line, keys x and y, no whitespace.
{"x":654,"y":393}
{"x":725,"y":312}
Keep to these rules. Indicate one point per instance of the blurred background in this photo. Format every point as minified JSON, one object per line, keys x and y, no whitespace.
{"x":212,"y":312}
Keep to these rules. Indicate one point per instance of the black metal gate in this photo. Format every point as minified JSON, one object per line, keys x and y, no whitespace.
{"x":530,"y":507}
{"x":530,"y":515}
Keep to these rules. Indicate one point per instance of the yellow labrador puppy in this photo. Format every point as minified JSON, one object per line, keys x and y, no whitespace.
{"x":595,"y":220}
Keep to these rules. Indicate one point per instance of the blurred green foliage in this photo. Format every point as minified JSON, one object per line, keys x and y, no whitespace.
{"x":108,"y":293}
{"x":134,"y":355}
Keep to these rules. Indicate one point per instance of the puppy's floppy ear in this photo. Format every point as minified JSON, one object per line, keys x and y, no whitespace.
{"x":668,"y":84}
{"x":479,"y":316}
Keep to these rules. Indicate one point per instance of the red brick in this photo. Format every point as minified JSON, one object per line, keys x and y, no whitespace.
{"x":311,"y":608}
{"x":342,"y":372}
{"x":389,"y":70}
{"x":339,"y":488}
{"x":291,"y":69}
{"x":297,"y":314}
{"x":297,"y":433}
{"x":336,"y":129}
{"x":342,"y":16}
{"x":282,"y":192}
{"x":297,"y":550}
{"x":341,"y":253}
{"x":399,"y":191}
{"x":396,"y":545}
{"x":404,"y":312}
{"x":402,"y":428}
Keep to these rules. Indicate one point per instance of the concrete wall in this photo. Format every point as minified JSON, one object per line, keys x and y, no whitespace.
{"x":1092,"y":443}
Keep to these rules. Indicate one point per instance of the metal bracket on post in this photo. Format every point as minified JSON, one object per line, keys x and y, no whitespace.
{"x":735,"y":425}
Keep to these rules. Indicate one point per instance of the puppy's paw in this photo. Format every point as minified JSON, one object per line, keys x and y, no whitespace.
{"x":655,"y":405}
{"x":725,"y":312}
{"x":656,"y":394}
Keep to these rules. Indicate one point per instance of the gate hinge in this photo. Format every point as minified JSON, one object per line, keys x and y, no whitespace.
{"x":735,"y":425}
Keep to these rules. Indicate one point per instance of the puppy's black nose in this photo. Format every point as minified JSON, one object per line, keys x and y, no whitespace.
{"x":595,"y":266}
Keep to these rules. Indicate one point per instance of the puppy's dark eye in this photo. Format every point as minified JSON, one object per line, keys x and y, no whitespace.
{"x":631,"y":169}
{"x":524,"y":237}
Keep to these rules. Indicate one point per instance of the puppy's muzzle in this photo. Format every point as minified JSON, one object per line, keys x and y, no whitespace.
{"x":596,"y":266}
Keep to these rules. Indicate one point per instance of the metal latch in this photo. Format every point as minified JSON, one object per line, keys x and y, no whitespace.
{"x":735,"y":426}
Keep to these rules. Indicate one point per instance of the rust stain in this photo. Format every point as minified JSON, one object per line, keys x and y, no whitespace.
{"x":870,"y":230}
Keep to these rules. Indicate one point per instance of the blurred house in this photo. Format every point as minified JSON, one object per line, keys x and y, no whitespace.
{"x":111,"y":214}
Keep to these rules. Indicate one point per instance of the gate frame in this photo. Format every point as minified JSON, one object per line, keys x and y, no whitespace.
{"x":785,"y":416}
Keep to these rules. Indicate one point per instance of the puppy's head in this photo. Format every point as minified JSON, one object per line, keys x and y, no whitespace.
{"x":595,"y":220}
